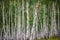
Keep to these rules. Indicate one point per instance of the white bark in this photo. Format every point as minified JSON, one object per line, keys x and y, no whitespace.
{"x":55,"y":26}
{"x":15,"y":26}
{"x":34,"y":28}
{"x":23,"y":21}
{"x":58,"y":18}
{"x":19,"y":23}
{"x":3,"y":15}
{"x":7,"y":29}
{"x":11,"y":19}
{"x":9,"y":16}
{"x":45,"y":28}
{"x":36,"y":25}
{"x":28,"y":27}
{"x":53,"y":21}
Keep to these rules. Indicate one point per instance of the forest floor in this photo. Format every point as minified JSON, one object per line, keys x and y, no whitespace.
{"x":50,"y":38}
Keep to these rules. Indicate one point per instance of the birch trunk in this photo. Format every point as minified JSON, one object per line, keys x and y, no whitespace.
{"x":54,"y":13}
{"x":7,"y":29}
{"x":23,"y":21}
{"x":28,"y":25}
{"x":34,"y":30}
{"x":51,"y":24}
{"x":11,"y":20}
{"x":45,"y":28}
{"x":58,"y":18}
{"x":36,"y":12}
{"x":53,"y":21}
{"x":3,"y":15}
{"x":9,"y":17}
{"x":19,"y":34}
{"x":15,"y":25}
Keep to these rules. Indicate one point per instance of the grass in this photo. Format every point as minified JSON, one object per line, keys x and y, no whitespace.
{"x":54,"y":38}
{"x":51,"y":38}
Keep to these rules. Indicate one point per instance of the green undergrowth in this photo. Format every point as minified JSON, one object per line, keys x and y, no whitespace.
{"x":54,"y":38}
{"x":50,"y":38}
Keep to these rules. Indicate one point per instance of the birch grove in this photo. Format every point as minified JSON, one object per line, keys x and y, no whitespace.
{"x":29,"y":19}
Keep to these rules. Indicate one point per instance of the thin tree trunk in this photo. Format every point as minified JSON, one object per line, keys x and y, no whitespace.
{"x":7,"y":29}
{"x":28,"y":25}
{"x":53,"y":20}
{"x":45,"y":29}
{"x":51,"y":24}
{"x":54,"y":11}
{"x":58,"y":18}
{"x":15,"y":25}
{"x":9,"y":17}
{"x":33,"y":28}
{"x":19,"y":34}
{"x":23,"y":21}
{"x":36,"y":12}
{"x":3,"y":15}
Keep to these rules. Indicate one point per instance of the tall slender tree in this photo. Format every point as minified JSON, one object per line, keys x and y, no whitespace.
{"x":23,"y":20}
{"x":28,"y":25}
{"x":45,"y":28}
{"x":53,"y":20}
{"x":35,"y":22}
{"x":3,"y":15}
{"x":19,"y":33}
{"x":9,"y":17}
{"x":58,"y":17}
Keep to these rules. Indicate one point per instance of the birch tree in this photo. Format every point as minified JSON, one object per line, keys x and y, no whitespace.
{"x":58,"y":17}
{"x":7,"y":29}
{"x":45,"y":28}
{"x":54,"y":13}
{"x":35,"y":23}
{"x":36,"y":11}
{"x":28,"y":25}
{"x":23,"y":21}
{"x":15,"y":20}
{"x":3,"y":15}
{"x":9,"y":17}
{"x":19,"y":34}
{"x":53,"y":20}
